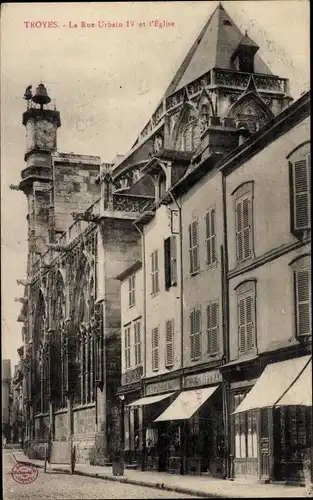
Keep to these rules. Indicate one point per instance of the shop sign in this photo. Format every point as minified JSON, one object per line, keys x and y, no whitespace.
{"x":163,"y":386}
{"x":132,"y":376}
{"x":206,"y":378}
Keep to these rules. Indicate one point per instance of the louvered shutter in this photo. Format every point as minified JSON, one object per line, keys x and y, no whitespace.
{"x":301,"y":194}
{"x":249,"y":323}
{"x":242,"y":325}
{"x":303,"y":296}
{"x":212,"y":328}
{"x":173,"y":252}
{"x":152,"y":273}
{"x":239,"y":235}
{"x":169,"y":354}
{"x":246,"y":227}
{"x":193,"y":246}
{"x":156,"y":276}
{"x":210,"y":237}
{"x":197,"y":334}
{"x":192,"y":337}
{"x":155,"y":349}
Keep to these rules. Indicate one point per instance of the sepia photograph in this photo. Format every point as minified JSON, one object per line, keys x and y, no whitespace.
{"x":156,"y":250}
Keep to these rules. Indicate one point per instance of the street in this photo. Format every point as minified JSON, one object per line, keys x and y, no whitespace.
{"x":63,"y":486}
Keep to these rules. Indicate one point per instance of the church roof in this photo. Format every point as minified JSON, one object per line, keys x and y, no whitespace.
{"x":213,"y":48}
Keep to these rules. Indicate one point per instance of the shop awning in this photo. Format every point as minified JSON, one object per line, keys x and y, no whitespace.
{"x":273,"y":383}
{"x":300,"y":393}
{"x":186,"y":404}
{"x":149,"y":400}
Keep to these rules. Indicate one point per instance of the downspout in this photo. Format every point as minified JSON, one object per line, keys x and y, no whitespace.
{"x":225,"y":307}
{"x":183,"y":442}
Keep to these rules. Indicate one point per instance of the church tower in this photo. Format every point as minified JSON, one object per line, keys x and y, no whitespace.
{"x":41,"y":121}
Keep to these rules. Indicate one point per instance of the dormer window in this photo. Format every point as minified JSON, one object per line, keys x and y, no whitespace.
{"x":243,"y":55}
{"x":246,"y":61}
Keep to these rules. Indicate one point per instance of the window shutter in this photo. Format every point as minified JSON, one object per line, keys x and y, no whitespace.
{"x":303,"y":296}
{"x":156,"y":271}
{"x":301,"y":194}
{"x":246,"y":227}
{"x":249,"y":323}
{"x":155,"y":349}
{"x":193,"y":246}
{"x":197,"y":334}
{"x":212,"y":328}
{"x":242,"y":325}
{"x":192,"y":337}
{"x":169,"y":355}
{"x":173,"y":253}
{"x":210,"y":236}
{"x":137,"y":343}
{"x":167,"y":263}
{"x":239,"y":235}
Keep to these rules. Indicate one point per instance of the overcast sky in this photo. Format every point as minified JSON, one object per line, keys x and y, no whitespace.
{"x":106,"y":82}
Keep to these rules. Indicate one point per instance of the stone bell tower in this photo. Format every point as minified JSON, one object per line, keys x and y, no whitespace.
{"x":41,"y":120}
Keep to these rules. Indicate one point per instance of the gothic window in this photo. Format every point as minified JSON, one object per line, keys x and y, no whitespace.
{"x":40,"y":378}
{"x":58,"y":345}
{"x":190,"y":136}
{"x":300,"y":189}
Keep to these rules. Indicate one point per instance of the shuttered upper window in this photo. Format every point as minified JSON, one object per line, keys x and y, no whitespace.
{"x":131,"y":290}
{"x":155,"y":349}
{"x":303,"y":296}
{"x":244,"y":221}
{"x":212,"y":328}
{"x":127,"y":347}
{"x":169,"y":338}
{"x":170,"y":261}
{"x":210,"y":237}
{"x":246,"y":317}
{"x":155,"y":272}
{"x":137,"y":337}
{"x":195,"y":334}
{"x":194,"y":246}
{"x":300,"y":191}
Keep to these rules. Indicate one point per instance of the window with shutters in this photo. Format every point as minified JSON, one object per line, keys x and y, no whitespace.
{"x":131,"y":287}
{"x":244,"y":221}
{"x":303,"y":296}
{"x":300,"y":190}
{"x":169,"y":343}
{"x":194,"y":246}
{"x":195,"y":334}
{"x":246,"y":317}
{"x":154,"y":272}
{"x":212,"y":328}
{"x":137,"y":337}
{"x":155,"y":349}
{"x":127,"y":347}
{"x":210,"y":224}
{"x":170,"y":261}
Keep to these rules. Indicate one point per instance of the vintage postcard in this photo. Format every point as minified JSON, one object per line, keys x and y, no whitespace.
{"x":156,"y":250}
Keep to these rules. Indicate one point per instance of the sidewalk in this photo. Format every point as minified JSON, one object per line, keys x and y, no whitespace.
{"x":201,"y":486}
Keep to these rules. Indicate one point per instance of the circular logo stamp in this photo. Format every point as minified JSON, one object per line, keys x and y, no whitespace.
{"x":24,"y":473}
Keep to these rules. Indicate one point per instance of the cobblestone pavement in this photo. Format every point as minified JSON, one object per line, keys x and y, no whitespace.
{"x":63,"y":486}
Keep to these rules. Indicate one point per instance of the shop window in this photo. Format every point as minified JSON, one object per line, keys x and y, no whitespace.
{"x":170,"y":261}
{"x":154,"y":272}
{"x":244,"y":222}
{"x":244,"y":430}
{"x":195,"y":334}
{"x":169,"y":337}
{"x":246,"y":317}
{"x":155,"y":349}
{"x":300,"y":190}
{"x":303,"y":296}
{"x":194,"y":246}
{"x":212,"y":328}
{"x":137,"y":337}
{"x":131,"y":290}
{"x":210,"y":237}
{"x":127,"y":347}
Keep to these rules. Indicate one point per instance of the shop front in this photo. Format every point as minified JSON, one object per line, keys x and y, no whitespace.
{"x":272,"y":431}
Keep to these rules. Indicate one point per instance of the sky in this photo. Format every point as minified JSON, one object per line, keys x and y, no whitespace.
{"x":106,"y":82}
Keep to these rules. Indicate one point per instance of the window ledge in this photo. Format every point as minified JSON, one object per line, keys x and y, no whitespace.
{"x":155,"y":294}
{"x":211,"y":266}
{"x":194,"y":273}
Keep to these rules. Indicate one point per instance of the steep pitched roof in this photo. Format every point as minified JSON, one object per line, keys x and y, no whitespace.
{"x":213,"y":49}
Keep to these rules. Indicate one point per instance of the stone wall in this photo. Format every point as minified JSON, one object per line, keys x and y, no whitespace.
{"x":60,"y":426}
{"x":84,"y":431}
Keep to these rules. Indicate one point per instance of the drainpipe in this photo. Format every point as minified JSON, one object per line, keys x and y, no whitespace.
{"x":182,"y":423}
{"x":225,"y":306}
{"x":143,"y":433}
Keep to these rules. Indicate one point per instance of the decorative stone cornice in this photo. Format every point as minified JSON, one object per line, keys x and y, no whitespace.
{"x":85,"y":216}
{"x":57,"y":247}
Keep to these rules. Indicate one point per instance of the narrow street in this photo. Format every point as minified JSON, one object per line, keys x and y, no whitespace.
{"x":63,"y":486}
